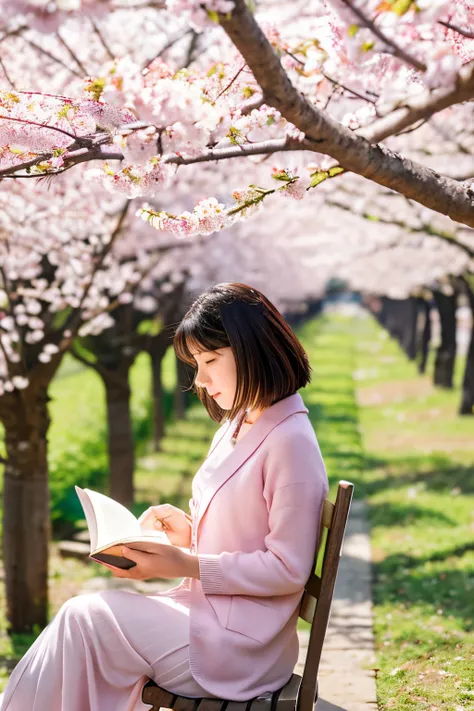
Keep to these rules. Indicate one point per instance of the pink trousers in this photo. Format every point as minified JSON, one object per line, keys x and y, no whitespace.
{"x":97,"y":652}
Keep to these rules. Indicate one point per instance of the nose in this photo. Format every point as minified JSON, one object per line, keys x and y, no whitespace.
{"x":201,"y":381}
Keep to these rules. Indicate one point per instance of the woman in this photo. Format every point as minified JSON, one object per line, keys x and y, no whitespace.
{"x":245,"y":551}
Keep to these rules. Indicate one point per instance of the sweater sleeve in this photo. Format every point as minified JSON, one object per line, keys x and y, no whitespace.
{"x":295,"y":486}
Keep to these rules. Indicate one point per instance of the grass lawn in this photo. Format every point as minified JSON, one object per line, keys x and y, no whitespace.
{"x":400,"y":441}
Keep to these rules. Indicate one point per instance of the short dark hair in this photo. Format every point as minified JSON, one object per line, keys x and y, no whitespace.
{"x":271,"y":362}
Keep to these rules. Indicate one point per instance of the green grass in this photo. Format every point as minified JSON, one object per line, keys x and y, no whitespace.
{"x":408,"y":453}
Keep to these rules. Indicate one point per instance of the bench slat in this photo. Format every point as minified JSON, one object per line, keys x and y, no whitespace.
{"x":155,"y":695}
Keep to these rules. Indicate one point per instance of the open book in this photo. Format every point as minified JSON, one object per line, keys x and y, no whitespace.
{"x":111,"y":525}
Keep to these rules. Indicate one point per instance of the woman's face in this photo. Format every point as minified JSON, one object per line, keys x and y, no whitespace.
{"x":217,"y":373}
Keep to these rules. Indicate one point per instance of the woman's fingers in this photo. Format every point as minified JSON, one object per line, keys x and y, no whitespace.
{"x":154,"y":514}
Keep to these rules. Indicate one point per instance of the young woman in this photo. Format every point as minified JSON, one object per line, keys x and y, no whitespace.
{"x":245,"y":550}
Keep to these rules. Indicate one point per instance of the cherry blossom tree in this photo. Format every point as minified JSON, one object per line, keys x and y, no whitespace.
{"x":399,"y":64}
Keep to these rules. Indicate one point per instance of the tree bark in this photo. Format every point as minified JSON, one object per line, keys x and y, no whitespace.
{"x":120,"y":433}
{"x":26,"y":519}
{"x":467,"y":401}
{"x":425,"y":335}
{"x":446,"y":353}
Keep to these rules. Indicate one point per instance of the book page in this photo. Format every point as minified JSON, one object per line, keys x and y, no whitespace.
{"x":89,"y":514}
{"x":114,"y":521}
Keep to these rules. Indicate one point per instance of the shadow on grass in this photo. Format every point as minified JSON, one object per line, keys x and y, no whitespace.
{"x":395,"y":514}
{"x":438,"y":472}
{"x":403,"y":579}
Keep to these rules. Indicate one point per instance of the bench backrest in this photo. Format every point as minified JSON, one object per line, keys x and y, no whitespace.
{"x":317,"y":598}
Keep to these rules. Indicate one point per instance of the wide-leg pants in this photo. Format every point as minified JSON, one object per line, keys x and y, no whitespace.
{"x":97,"y":652}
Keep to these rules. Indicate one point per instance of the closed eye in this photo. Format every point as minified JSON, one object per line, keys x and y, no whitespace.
{"x":210,"y":361}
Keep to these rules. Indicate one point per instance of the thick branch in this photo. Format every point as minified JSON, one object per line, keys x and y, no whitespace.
{"x":353,"y":152}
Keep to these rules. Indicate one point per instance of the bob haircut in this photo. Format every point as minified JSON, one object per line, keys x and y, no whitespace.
{"x":271,"y":363}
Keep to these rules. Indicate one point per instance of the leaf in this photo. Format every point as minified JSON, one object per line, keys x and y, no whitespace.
{"x":281,"y":175}
{"x":213,"y":15}
{"x":320,"y":175}
{"x":400,"y":7}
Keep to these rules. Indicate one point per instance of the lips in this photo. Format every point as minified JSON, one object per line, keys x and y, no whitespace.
{"x":215,"y":395}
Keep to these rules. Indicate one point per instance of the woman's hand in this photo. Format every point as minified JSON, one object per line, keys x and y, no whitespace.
{"x":165,"y":562}
{"x":168,"y":518}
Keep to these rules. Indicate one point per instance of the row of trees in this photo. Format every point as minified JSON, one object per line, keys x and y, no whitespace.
{"x":410,"y":322}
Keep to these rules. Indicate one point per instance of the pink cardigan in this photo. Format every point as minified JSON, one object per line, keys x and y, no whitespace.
{"x":254,"y":531}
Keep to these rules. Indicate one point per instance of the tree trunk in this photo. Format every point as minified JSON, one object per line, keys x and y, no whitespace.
{"x":26,"y":519}
{"x":157,"y":353}
{"x":408,"y":325}
{"x":120,"y":433}
{"x":183,"y":382}
{"x":446,"y":353}
{"x":467,"y":402}
{"x":425,"y":337}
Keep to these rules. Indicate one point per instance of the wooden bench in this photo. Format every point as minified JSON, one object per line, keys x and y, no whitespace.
{"x":299,"y":693}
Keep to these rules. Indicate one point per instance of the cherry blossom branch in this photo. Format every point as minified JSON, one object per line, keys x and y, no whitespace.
{"x":13,"y":33}
{"x":425,"y":227}
{"x":168,"y":45}
{"x":455,"y":28}
{"x":192,"y":46}
{"x":84,"y":149}
{"x":338,"y":84}
{"x":72,"y":54}
{"x":393,"y":47}
{"x":51,"y":56}
{"x":354,"y":152}
{"x":27,"y":122}
{"x":255,"y":102}
{"x":236,"y":76}
{"x":87,"y":153}
{"x":5,"y":71}
{"x":101,"y":38}
{"x":273,"y":145}
{"x":422,"y":106}
{"x":73,"y":322}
